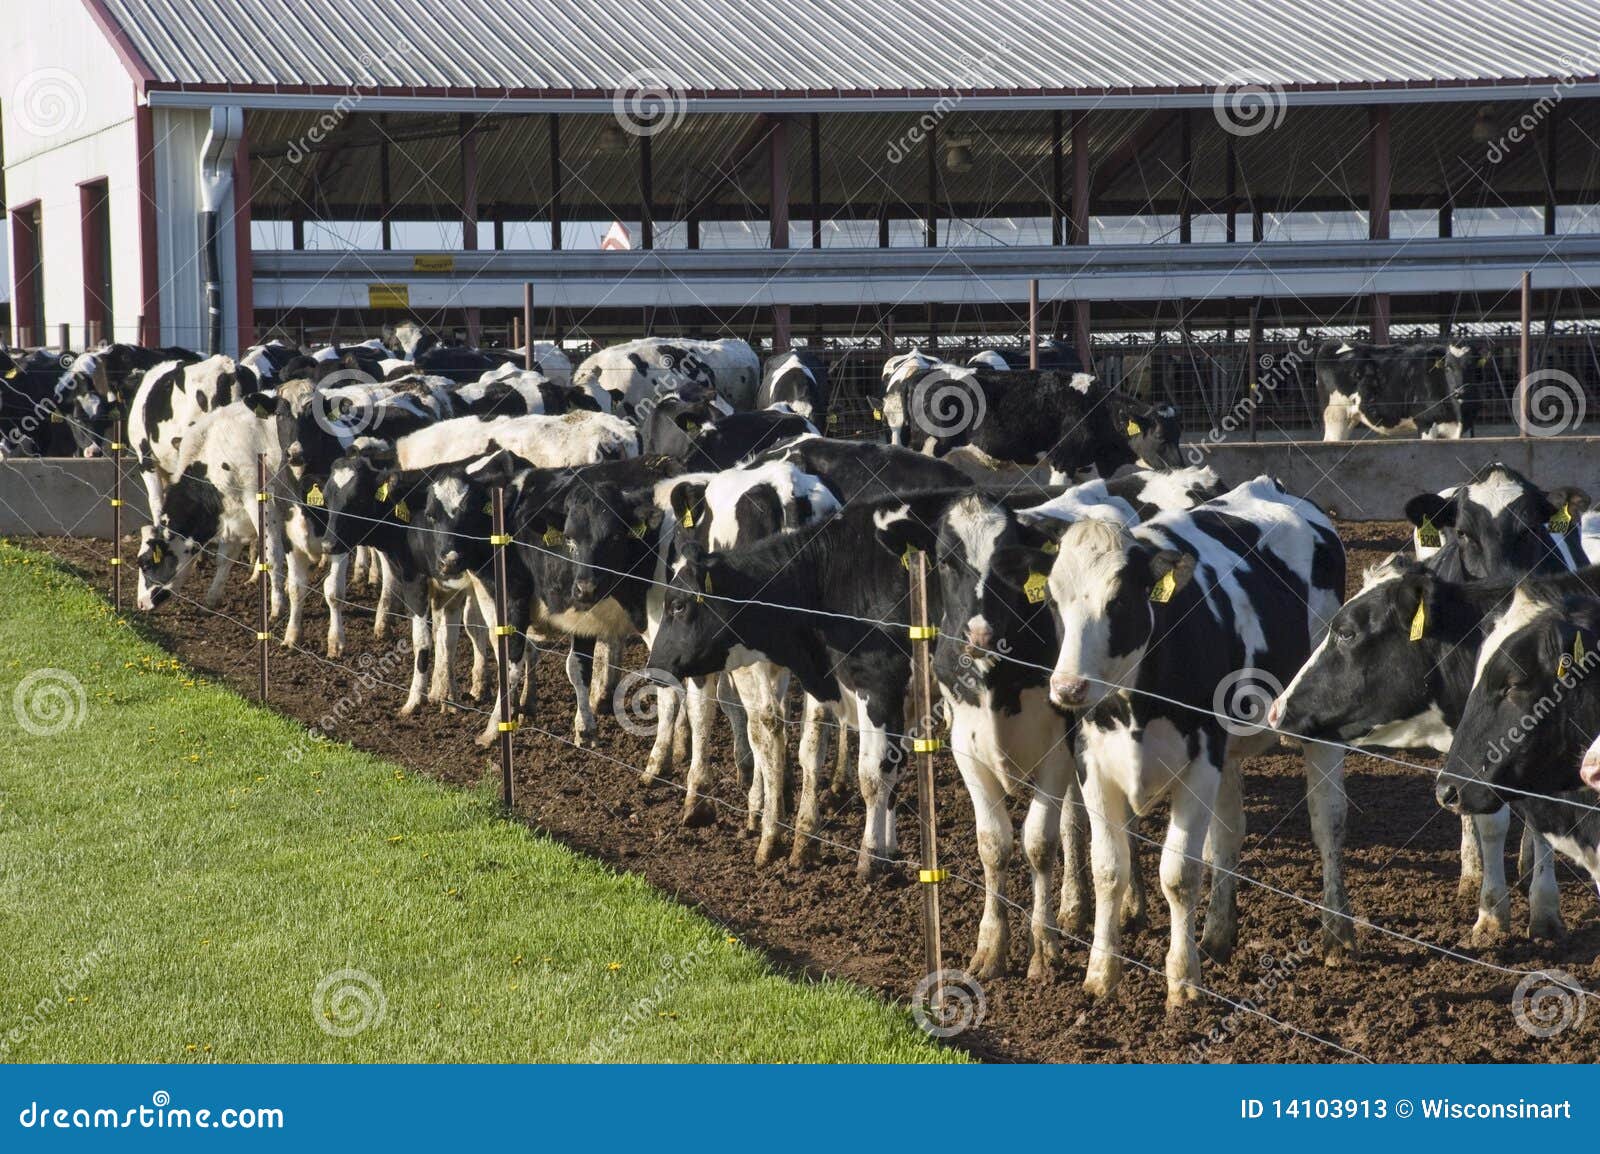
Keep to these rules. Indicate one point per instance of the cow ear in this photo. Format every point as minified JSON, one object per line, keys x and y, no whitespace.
{"x":1440,"y":512}
{"x":496,"y":468}
{"x":1571,"y":498}
{"x":689,"y":503}
{"x":1024,"y":568}
{"x":909,"y":525}
{"x":263,"y":402}
{"x":1170,"y":571}
{"x":1041,"y":531}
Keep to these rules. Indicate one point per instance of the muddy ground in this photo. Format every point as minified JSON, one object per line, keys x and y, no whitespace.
{"x":1396,"y":1001}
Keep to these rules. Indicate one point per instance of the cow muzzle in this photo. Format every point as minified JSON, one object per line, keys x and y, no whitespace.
{"x":449,"y":563}
{"x":1067,"y":691}
{"x":980,"y":635}
{"x":1589,"y":771}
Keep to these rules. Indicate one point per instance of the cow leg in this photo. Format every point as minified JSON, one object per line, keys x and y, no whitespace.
{"x":682,"y":739}
{"x":1338,"y":418}
{"x":1494,"y":894}
{"x":1525,"y":852}
{"x":1109,"y":814}
{"x":275,"y":556}
{"x":701,"y":710}
{"x":385,"y":606}
{"x":375,"y":571}
{"x":761,"y":688}
{"x":580,"y":667}
{"x":813,"y":753}
{"x":995,"y":838}
{"x":1329,"y":806}
{"x":333,"y":594}
{"x":1544,"y":894}
{"x":413,"y":598}
{"x":1471,"y":858}
{"x":152,"y":493}
{"x":1041,"y":833}
{"x":482,"y":643}
{"x":1073,"y":914}
{"x":840,"y":786}
{"x":1136,"y":901}
{"x":225,"y":552}
{"x":733,"y":709}
{"x":448,"y":610}
{"x":607,"y":674}
{"x":1223,"y":840}
{"x":299,"y":581}
{"x":669,"y":699}
{"x":1181,"y":863}
{"x":877,"y":768}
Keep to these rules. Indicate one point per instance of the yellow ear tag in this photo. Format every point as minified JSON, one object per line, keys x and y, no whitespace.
{"x":641,"y":530}
{"x":688,"y":518}
{"x":1419,"y":623}
{"x":1427,"y":535}
{"x":1578,"y":652}
{"x":833,"y":419}
{"x":1164,"y":588}
{"x":905,"y":558}
{"x":1561,"y":522}
{"x":155,"y":554}
{"x":1035,"y":587}
{"x":1482,"y":361}
{"x":1133,"y":428}
{"x":1050,"y":547}
{"x":554,"y":538}
{"x":314,"y":497}
{"x":877,"y":414}
{"x":402,"y":512}
{"x":708,"y":582}
{"x":488,"y":508}
{"x":383,"y":492}
{"x":11,"y":373}
{"x":691,"y":428}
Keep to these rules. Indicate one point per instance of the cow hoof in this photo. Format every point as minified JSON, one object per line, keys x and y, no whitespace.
{"x":335,"y":650}
{"x":804,"y":853}
{"x":1133,"y":918}
{"x":584,"y":738}
{"x":1043,"y":961}
{"x":767,"y":851}
{"x":1489,"y":929}
{"x":1547,"y":927}
{"x":648,"y":777}
{"x":1073,"y":919}
{"x":409,"y":708}
{"x":868,"y":866}
{"x":1468,"y":886}
{"x":1218,"y":946}
{"x":700,"y":813}
{"x":1180,"y":996}
{"x":988,"y":962}
{"x":1102,"y":981}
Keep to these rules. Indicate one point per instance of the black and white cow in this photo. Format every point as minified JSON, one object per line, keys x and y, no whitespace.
{"x":1154,"y":431}
{"x":548,"y":361}
{"x":267,"y":361}
{"x":1500,"y":526}
{"x":996,"y":638}
{"x":1525,"y":735}
{"x":169,"y":398}
{"x":1422,"y":388}
{"x":723,"y":441}
{"x":857,"y":470}
{"x":1053,"y":354}
{"x":95,"y":386}
{"x":577,"y":437}
{"x":658,"y":366}
{"x":32,"y":420}
{"x":722,"y":511}
{"x":210,"y":505}
{"x":798,"y":380}
{"x":1199,"y":608}
{"x":1395,"y":670}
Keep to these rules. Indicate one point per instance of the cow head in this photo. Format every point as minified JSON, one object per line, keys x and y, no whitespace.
{"x":609,"y":532}
{"x":672,"y":424}
{"x":1379,"y":664}
{"x":190,"y":518}
{"x":1104,"y":585}
{"x":1534,"y":708}
{"x":697,"y":635}
{"x":1154,"y":434}
{"x":359,"y":497}
{"x":1500,"y":523}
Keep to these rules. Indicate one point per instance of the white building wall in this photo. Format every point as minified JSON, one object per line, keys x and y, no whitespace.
{"x":68,"y":107}
{"x":180,"y":136}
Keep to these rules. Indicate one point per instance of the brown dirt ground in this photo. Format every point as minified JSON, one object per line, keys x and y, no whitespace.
{"x":1395,"y":1002}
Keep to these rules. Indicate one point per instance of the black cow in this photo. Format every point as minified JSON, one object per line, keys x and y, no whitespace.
{"x":1053,"y":354}
{"x":1500,"y":526}
{"x":32,"y":423}
{"x":1427,"y":388}
{"x":1154,"y":432}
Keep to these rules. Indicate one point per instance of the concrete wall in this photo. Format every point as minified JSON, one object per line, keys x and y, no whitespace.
{"x":68,"y":118}
{"x":67,"y":497}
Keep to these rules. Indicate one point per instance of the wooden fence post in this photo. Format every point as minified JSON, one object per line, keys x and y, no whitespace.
{"x":923,"y":746}
{"x":502,"y":633}
{"x":263,"y":574}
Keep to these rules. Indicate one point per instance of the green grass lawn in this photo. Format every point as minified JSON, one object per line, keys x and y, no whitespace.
{"x":175,"y":886}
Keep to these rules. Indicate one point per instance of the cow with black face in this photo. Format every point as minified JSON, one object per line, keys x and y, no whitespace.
{"x":1395,"y":671}
{"x":33,"y":422}
{"x":1501,"y":526}
{"x":1525,"y":737}
{"x":1200,"y":608}
{"x":1427,"y":389}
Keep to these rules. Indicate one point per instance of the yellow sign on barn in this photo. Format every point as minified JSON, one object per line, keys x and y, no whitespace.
{"x":433,"y":262}
{"x":388,"y":296}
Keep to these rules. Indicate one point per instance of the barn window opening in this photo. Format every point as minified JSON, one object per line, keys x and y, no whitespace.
{"x":94,"y":200}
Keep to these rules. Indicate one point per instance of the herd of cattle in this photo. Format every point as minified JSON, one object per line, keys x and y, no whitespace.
{"x":1124,"y":635}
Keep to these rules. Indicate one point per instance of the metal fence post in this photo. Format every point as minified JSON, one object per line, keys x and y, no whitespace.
{"x":923,"y":746}
{"x":263,"y":573}
{"x":502,"y":632}
{"x":527,"y":325}
{"x":1524,"y":365}
{"x":116,"y":515}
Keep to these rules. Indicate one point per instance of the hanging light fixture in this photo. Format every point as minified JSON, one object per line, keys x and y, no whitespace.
{"x":1483,"y":128}
{"x":958,"y":156}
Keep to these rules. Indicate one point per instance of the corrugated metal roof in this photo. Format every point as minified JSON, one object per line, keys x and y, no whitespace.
{"x":761,"y":46}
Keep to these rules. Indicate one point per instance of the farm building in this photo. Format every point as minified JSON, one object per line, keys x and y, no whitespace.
{"x":815,"y":171}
